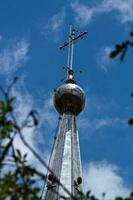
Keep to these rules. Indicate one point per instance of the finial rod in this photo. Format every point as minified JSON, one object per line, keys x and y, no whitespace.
{"x":70,"y":48}
{"x":70,"y":43}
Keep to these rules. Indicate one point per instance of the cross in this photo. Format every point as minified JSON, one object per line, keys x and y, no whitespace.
{"x":70,"y":43}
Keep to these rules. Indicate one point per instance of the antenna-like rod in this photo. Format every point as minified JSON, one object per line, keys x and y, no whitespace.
{"x":70,"y":43}
{"x":70,"y":48}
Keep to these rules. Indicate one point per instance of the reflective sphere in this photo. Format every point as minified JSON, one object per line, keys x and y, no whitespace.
{"x":69,"y":98}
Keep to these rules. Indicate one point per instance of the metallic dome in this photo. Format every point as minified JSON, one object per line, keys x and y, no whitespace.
{"x":69,"y":97}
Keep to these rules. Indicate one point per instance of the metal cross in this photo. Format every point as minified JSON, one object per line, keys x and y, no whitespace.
{"x":70,"y":43}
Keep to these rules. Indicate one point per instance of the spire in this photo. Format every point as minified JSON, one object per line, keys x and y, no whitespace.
{"x":73,"y":37}
{"x":65,"y":162}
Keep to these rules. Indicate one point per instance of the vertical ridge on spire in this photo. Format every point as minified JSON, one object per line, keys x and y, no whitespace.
{"x":65,"y":161}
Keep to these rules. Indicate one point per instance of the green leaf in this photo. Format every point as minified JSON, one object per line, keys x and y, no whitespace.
{"x":19,"y":153}
{"x":10,"y":100}
{"x":25,"y":155}
{"x":130,"y":122}
{"x":118,"y":198}
{"x":131,"y":194}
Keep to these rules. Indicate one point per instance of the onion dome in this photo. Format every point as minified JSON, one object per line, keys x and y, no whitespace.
{"x":69,"y":97}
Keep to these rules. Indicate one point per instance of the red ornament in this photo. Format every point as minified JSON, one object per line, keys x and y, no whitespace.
{"x":50,"y":177}
{"x":79,"y":180}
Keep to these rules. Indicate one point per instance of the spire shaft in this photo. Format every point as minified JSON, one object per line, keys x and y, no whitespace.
{"x":65,"y":162}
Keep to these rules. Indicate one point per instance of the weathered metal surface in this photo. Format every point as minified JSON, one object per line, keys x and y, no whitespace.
{"x":65,"y":161}
{"x":69,"y":98}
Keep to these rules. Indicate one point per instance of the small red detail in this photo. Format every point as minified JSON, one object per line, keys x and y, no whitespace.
{"x":79,"y":180}
{"x":51,"y":177}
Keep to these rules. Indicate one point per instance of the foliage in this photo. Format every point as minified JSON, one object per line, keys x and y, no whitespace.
{"x":18,"y":179}
{"x":89,"y":196}
{"x":122,"y":48}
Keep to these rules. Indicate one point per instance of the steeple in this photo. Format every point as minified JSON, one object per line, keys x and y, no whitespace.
{"x":65,"y":161}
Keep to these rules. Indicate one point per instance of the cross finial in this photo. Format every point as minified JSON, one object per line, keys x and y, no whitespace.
{"x":70,"y":43}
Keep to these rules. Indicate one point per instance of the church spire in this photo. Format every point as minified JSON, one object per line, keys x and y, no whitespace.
{"x":65,"y":161}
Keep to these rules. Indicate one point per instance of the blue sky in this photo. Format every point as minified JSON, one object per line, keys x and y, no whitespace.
{"x":30,"y":34}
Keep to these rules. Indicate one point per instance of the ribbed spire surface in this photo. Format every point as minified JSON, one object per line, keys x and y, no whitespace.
{"x":65,"y":161}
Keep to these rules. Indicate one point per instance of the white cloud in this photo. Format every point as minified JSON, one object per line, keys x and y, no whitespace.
{"x":100,"y":123}
{"x":84,"y":13}
{"x":53,"y":27}
{"x":13,"y":57}
{"x":57,"y":21}
{"x":24,"y":104}
{"x":104,"y":178}
{"x":49,"y":115}
{"x":124,"y":8}
{"x":99,"y":114}
{"x":103,"y":60}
